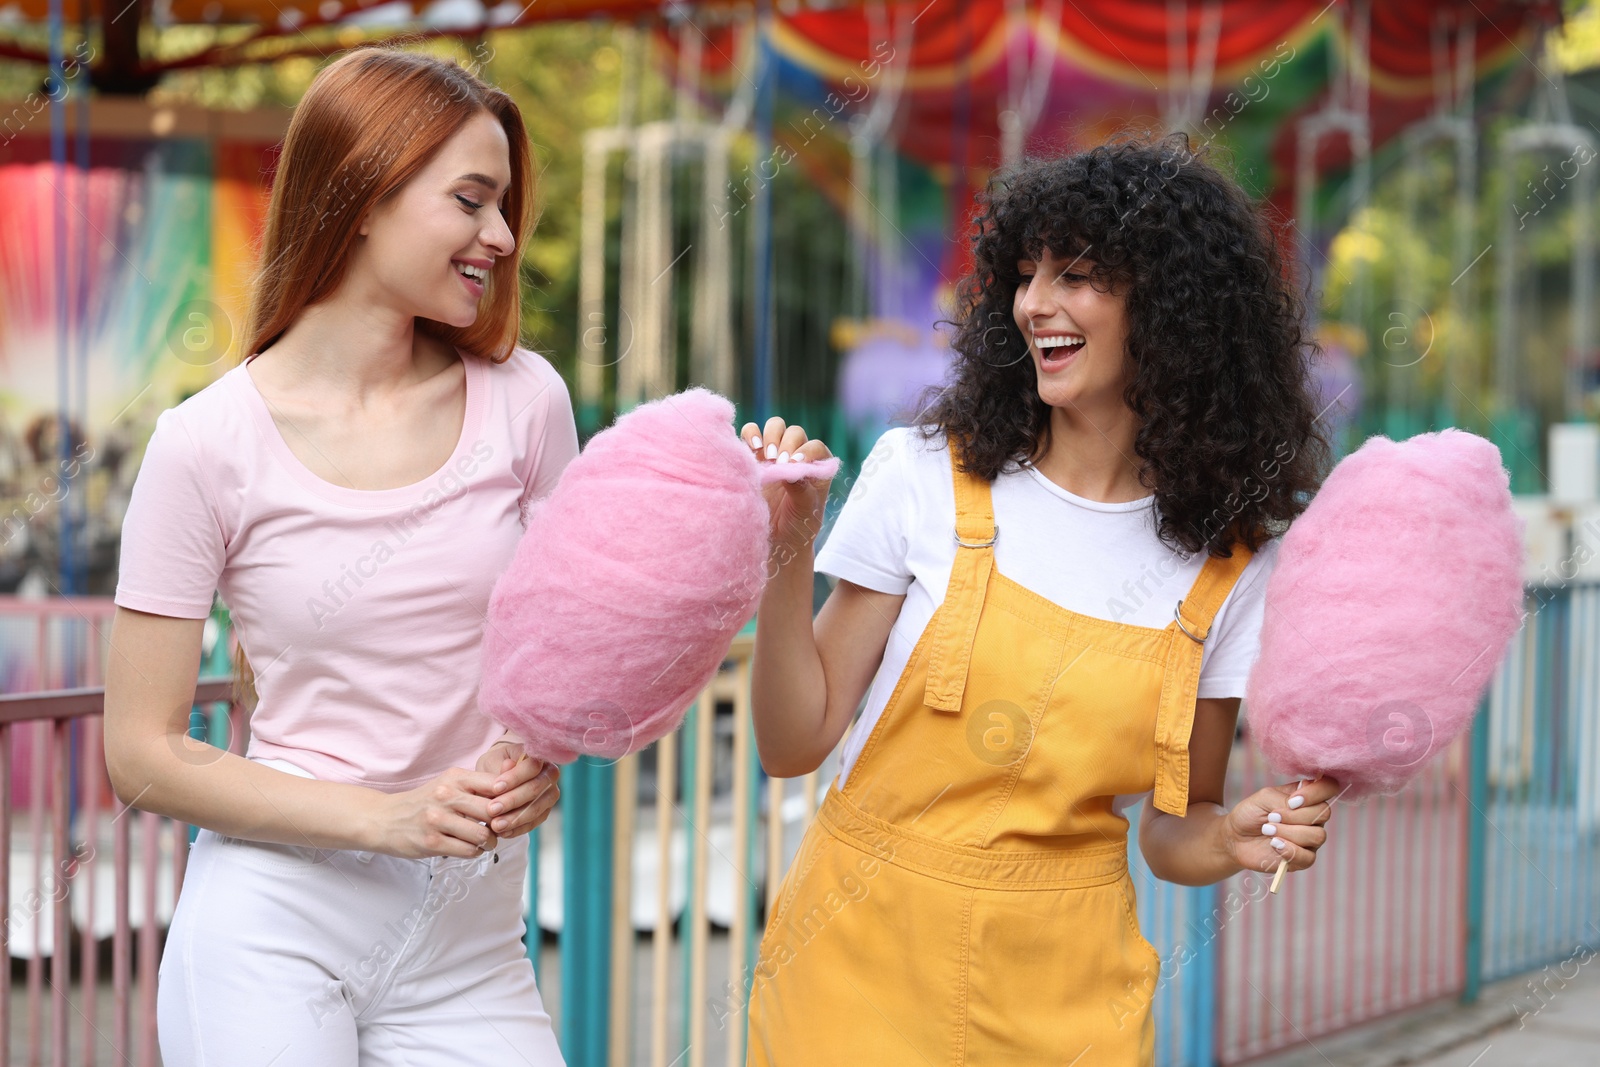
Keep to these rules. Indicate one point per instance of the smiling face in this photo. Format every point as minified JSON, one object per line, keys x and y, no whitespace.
{"x":1076,"y":333}
{"x":424,"y":244}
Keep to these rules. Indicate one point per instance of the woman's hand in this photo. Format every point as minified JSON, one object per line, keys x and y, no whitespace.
{"x":444,"y":817}
{"x":797,"y":507}
{"x":526,"y":789}
{"x":1271,"y":825}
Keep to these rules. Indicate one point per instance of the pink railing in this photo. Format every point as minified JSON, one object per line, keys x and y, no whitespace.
{"x":58,"y":819}
{"x":66,"y":863}
{"x":1376,"y":927}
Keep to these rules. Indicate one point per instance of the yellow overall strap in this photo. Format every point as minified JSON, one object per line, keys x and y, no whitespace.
{"x":1181,"y":684}
{"x":957,"y":617}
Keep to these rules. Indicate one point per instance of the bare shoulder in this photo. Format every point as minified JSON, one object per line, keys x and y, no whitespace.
{"x":860,"y":599}
{"x":852,"y":631}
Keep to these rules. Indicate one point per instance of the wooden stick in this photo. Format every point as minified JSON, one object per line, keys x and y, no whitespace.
{"x":1283,"y":864}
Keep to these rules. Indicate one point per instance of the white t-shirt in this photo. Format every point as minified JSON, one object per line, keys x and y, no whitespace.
{"x":895,"y":534}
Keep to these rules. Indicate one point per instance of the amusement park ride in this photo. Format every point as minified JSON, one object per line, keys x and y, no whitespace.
{"x":878,"y":104}
{"x":895,"y":113}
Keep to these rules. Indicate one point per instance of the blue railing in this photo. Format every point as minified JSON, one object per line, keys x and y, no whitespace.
{"x":1540,"y":807}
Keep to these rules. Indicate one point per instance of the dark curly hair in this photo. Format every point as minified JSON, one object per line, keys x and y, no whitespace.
{"x":1219,"y":353}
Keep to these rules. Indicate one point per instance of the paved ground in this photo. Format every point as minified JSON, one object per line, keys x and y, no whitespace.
{"x":1556,"y":1024}
{"x":1512,"y":1025}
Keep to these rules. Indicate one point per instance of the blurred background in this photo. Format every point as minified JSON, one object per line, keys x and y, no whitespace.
{"x":772,"y":200}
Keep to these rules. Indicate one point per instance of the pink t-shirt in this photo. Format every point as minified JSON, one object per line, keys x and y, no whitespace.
{"x":361,"y":611}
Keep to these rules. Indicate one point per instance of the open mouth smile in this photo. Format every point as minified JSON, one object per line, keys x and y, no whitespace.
{"x":474,"y":277}
{"x":1058,"y":350}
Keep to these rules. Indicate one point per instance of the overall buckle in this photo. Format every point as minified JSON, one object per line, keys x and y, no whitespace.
{"x":978,"y":544}
{"x":1177,"y":613}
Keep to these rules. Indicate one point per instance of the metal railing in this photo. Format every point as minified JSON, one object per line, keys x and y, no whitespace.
{"x":72,"y":895}
{"x":1538,"y":790}
{"x":655,"y":871}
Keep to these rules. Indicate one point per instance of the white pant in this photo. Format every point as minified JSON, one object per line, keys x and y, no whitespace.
{"x":292,"y":956}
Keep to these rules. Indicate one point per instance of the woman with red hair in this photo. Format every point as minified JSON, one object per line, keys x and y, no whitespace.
{"x":352,"y":488}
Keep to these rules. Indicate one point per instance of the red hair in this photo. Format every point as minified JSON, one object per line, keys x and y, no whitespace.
{"x":369,"y":122}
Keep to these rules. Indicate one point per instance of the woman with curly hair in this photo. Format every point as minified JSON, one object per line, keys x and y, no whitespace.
{"x":1052,"y":581}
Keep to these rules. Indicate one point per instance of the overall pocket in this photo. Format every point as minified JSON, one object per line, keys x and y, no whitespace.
{"x":811,"y":847}
{"x":1130,"y":910}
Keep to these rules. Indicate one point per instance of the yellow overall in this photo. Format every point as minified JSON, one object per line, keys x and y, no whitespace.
{"x":965,"y":899}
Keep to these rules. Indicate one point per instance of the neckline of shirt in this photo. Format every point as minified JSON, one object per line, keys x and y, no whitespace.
{"x":471,"y":423}
{"x":1140,"y":504}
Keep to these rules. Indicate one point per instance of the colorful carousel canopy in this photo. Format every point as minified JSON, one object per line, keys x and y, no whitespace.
{"x":962,"y":71}
{"x":898,"y":110}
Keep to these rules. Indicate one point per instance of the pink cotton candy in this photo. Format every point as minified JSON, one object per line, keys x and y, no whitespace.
{"x":632,"y":578}
{"x":1390,"y":607}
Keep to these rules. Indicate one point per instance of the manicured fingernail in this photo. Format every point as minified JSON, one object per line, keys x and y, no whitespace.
{"x":772,"y":451}
{"x":1296,"y":800}
{"x":1277,"y":843}
{"x":496,"y":808}
{"x":1273,"y":816}
{"x":755,"y":442}
{"x":1268,"y":829}
{"x":783,"y":457}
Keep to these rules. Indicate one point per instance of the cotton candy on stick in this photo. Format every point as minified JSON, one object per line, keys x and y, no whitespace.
{"x":632,"y":578}
{"x":1393,"y":599}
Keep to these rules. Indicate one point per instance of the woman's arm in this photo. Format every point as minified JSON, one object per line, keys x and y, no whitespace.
{"x":1212,"y":842}
{"x":156,"y":766}
{"x":808,"y":677}
{"x":1192,"y":850}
